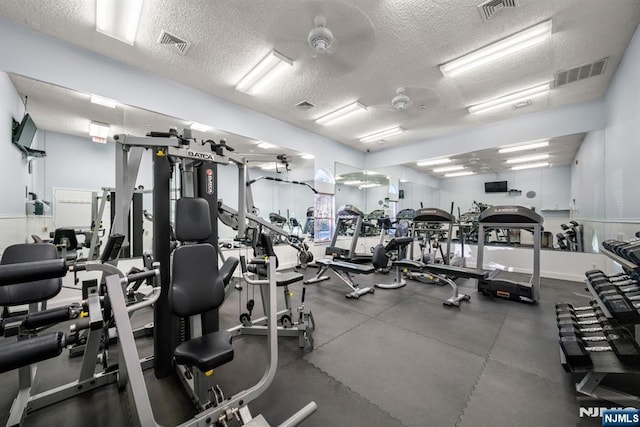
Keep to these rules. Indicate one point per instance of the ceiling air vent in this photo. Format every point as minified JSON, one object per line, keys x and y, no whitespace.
{"x":305,"y":105}
{"x":168,"y":39}
{"x":491,"y":8}
{"x":580,"y":73}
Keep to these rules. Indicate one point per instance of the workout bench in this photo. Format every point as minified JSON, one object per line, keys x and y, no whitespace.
{"x":343,"y":270}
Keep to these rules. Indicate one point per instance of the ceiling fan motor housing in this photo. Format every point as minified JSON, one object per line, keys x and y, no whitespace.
{"x":320,"y":39}
{"x":401,"y":102}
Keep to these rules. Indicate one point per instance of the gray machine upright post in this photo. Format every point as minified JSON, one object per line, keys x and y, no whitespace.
{"x":242,"y":198}
{"x":164,"y":331}
{"x":127,"y":166}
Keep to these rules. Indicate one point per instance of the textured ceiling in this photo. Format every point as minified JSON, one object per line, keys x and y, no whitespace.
{"x":381,"y":45}
{"x":66,"y":111}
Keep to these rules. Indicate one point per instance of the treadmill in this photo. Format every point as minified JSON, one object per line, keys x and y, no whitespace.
{"x":345,"y":214}
{"x":429,"y":221}
{"x":510,"y":217}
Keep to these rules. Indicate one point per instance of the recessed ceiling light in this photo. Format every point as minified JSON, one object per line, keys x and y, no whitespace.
{"x":199,"y":127}
{"x":449,"y":169}
{"x":264,"y":72}
{"x":433,"y":162}
{"x":341,"y":113}
{"x":508,"y":46}
{"x":531,"y":146}
{"x":511,"y":99}
{"x":528,"y":158}
{"x":265,"y":145}
{"x":105,"y":102}
{"x":307,"y":156}
{"x":370,"y":185}
{"x":451,"y":175}
{"x":118,"y":19}
{"x":377,"y":136}
{"x":404,"y":180}
{"x":353,"y":182}
{"x":530,"y":166}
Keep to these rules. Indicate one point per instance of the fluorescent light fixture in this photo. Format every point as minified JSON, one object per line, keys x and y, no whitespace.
{"x":370,"y":185}
{"x":508,"y":46}
{"x":341,"y":113}
{"x":528,"y":158}
{"x":531,"y":146}
{"x":118,"y":19}
{"x":269,"y":166}
{"x":449,"y":169}
{"x":371,"y":173}
{"x":404,"y":180}
{"x":264,"y":72}
{"x":377,"y":136}
{"x":510,"y":99}
{"x":433,"y":162}
{"x":98,"y":130}
{"x":354,"y":182}
{"x":199,"y":127}
{"x":307,"y":156}
{"x":265,"y":145}
{"x":339,"y":178}
{"x":105,"y":102}
{"x":530,"y":166}
{"x":451,"y":175}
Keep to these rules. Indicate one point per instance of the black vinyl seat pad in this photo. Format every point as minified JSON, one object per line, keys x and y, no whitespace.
{"x":30,"y":292}
{"x":447,"y":270}
{"x":349,"y":267}
{"x":206,"y":352}
{"x":282,"y":279}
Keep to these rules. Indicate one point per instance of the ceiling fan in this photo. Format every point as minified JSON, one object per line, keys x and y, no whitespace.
{"x":331,"y":36}
{"x":320,"y":38}
{"x":411,"y":101}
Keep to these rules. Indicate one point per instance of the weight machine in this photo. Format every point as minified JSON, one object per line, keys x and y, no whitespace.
{"x":194,"y":165}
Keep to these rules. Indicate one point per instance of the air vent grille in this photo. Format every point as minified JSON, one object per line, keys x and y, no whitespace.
{"x":171,"y":40}
{"x":580,"y":73}
{"x":491,"y":8}
{"x":305,"y":105}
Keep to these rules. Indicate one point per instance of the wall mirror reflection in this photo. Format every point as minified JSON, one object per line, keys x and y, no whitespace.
{"x":71,"y":184}
{"x":537,"y":175}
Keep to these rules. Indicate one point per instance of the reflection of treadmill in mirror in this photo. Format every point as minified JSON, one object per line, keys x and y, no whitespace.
{"x":510,"y":217}
{"x":345,"y":214}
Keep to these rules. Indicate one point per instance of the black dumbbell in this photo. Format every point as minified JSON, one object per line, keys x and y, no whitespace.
{"x":621,"y":308}
{"x":562,"y":307}
{"x":576,"y":329}
{"x":568,"y":318}
{"x":618,"y":341}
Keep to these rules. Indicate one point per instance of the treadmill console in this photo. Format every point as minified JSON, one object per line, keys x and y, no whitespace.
{"x":510,"y":215}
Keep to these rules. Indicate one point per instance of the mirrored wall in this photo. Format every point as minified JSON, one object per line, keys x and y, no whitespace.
{"x":73,"y":183}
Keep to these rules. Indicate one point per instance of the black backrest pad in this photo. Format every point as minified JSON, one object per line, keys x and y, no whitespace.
{"x":266,"y":243}
{"x":30,"y":292}
{"x":193,"y":220}
{"x":196,"y":286}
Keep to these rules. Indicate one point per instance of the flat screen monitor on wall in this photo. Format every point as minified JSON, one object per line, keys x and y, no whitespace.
{"x":22,"y":136}
{"x":495,"y":187}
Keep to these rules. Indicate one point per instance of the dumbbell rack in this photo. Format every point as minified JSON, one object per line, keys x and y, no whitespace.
{"x":605,"y":364}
